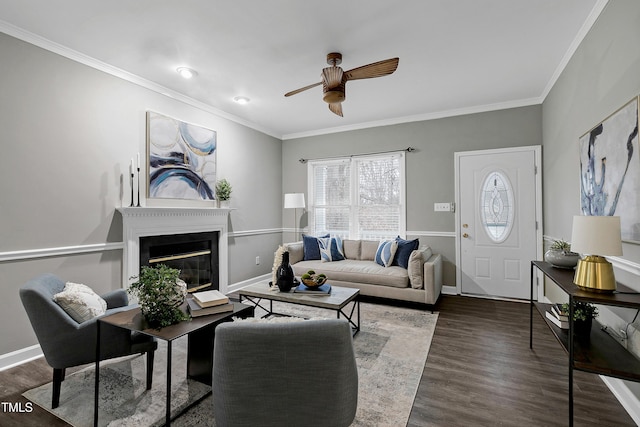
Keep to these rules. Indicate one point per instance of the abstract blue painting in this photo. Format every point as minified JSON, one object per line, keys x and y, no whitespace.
{"x":610,"y":170}
{"x":182,"y":159}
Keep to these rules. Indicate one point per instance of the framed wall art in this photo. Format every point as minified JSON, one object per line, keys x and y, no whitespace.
{"x":182,"y":159}
{"x":610,"y":170}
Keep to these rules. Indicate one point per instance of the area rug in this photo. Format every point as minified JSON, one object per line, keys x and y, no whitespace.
{"x":124,"y":399}
{"x":391,"y":350}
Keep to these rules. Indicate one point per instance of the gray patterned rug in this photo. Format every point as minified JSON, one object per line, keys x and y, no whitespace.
{"x":391,"y":351}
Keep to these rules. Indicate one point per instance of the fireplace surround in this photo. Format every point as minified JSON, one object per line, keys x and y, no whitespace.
{"x":143,"y":222}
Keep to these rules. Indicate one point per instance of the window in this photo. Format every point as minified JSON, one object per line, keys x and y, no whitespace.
{"x":360,"y":197}
{"x":496,"y":206}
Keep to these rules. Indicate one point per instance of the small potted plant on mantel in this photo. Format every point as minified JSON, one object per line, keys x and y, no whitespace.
{"x":559,"y":255}
{"x":223,"y":193}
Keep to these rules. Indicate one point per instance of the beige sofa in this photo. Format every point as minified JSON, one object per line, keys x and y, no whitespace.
{"x":421,"y":282}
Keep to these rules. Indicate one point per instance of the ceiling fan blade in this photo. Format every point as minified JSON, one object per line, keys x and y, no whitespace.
{"x":302,"y":89}
{"x":377,"y":69}
{"x":332,"y":76}
{"x":336,"y":108}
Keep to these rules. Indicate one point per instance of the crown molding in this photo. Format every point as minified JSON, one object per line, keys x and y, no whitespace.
{"x":419,"y":117}
{"x":573,"y":47}
{"x":89,"y":61}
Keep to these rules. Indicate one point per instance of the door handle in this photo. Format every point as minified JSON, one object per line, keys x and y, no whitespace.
{"x":465,"y":235}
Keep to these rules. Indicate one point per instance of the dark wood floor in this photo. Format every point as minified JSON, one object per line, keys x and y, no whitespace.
{"x":480,"y":372}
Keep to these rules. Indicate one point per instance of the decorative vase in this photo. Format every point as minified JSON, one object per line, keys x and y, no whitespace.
{"x":561,"y":259}
{"x":179,"y":293}
{"x":284,"y":274}
{"x":225,"y":203}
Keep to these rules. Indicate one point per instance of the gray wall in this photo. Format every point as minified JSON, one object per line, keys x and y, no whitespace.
{"x":430,"y":170}
{"x":68,"y":133}
{"x":602,"y":76}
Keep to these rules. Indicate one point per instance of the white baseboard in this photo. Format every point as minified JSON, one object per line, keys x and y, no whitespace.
{"x":19,"y":357}
{"x":627,"y":399}
{"x":449,"y":290}
{"x":239,"y":285}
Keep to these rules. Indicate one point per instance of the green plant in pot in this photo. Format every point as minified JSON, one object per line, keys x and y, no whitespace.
{"x":560,"y":255}
{"x":223,"y":191}
{"x":583,"y":315}
{"x":160,"y":293}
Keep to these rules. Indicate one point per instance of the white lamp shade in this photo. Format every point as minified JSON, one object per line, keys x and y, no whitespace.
{"x":596,"y":235}
{"x":294,"y":200}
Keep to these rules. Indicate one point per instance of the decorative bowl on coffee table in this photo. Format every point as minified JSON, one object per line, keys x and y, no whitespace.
{"x":314,"y":282}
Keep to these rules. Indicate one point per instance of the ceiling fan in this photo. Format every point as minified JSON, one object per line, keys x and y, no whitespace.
{"x":334,"y":79}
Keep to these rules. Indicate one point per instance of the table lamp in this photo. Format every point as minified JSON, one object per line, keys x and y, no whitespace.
{"x":294,"y":201}
{"x":595,"y":237}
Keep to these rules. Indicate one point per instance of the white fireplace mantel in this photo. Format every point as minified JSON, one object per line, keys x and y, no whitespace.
{"x":157,"y":221}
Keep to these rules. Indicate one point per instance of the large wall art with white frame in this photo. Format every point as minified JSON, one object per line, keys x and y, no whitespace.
{"x":182,"y":159}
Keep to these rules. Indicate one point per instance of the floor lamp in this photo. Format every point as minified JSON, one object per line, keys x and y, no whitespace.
{"x":294,"y":201}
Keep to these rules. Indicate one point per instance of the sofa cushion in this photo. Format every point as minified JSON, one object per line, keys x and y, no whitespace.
{"x":414,"y":269}
{"x":311,"y":248}
{"x":330,"y":249}
{"x":296,"y":252}
{"x":355,"y":271}
{"x":368,"y":249}
{"x":80,"y":302}
{"x":405,"y":247}
{"x":386,"y":251}
{"x":351,"y":249}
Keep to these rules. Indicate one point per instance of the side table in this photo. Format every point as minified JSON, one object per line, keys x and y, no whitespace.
{"x":200,"y":331}
{"x":601,"y":354}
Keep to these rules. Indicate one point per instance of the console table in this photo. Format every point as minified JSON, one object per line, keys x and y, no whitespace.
{"x":602,"y":354}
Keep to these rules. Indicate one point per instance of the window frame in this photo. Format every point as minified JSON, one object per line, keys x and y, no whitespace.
{"x":353,"y":226}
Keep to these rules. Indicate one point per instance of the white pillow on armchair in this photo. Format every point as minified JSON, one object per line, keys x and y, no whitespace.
{"x":80,"y":302}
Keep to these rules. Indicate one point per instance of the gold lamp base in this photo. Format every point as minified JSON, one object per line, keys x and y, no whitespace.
{"x":594,"y":273}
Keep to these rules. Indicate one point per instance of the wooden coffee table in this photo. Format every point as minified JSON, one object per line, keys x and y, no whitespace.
{"x":337,"y":301}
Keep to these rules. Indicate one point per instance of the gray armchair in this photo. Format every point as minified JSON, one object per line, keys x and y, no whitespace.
{"x":66,"y":343}
{"x":284,"y":374}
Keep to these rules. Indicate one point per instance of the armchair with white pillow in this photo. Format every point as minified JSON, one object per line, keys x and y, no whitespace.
{"x":63,"y":317}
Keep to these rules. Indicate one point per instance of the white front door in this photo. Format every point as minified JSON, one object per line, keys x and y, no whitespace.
{"x":498,"y":221}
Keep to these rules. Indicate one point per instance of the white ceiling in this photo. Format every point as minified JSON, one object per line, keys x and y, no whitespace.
{"x":456,"y":56}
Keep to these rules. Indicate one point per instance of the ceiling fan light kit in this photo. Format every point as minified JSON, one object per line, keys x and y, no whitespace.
{"x":334,"y":79}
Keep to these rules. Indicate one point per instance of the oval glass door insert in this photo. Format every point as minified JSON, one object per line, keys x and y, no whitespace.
{"x":496,"y":206}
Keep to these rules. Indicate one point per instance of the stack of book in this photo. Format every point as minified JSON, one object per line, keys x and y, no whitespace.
{"x":558,"y":316}
{"x":318,"y":290}
{"x":208,"y":302}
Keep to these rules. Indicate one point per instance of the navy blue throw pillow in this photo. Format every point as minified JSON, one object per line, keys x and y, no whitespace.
{"x":405,"y":247}
{"x":310,"y":247}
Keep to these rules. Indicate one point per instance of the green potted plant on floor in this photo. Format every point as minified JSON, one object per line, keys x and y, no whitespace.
{"x":223,"y":192}
{"x":160,"y":293}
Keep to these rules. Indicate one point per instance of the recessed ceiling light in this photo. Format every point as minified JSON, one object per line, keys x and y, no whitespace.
{"x":241,"y":100}
{"x":186,"y":72}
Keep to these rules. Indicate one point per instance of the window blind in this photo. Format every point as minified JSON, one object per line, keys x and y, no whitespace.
{"x":360,"y":197}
